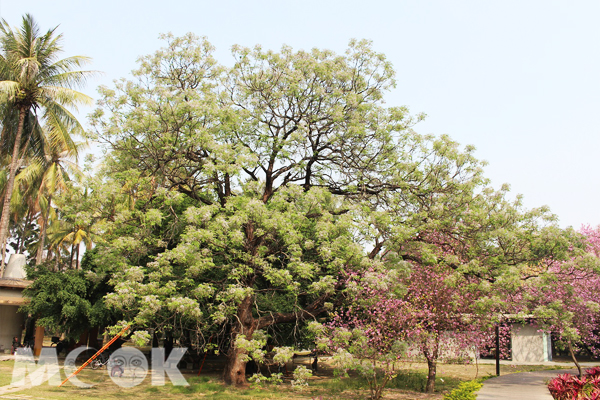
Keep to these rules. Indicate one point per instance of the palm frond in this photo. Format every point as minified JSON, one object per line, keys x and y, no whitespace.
{"x":9,"y":89}
{"x":63,"y":96}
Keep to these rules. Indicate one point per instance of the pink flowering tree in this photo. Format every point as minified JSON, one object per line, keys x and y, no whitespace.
{"x":364,"y":335}
{"x":440,"y":314}
{"x":564,"y":298}
{"x":427,"y":310}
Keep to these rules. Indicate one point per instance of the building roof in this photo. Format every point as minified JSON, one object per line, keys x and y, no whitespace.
{"x":14,"y":283}
{"x":13,"y":301}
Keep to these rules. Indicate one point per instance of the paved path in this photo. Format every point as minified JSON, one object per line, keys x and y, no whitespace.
{"x":521,"y":386}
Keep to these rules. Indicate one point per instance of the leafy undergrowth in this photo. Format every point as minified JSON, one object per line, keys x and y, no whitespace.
{"x":567,"y":386}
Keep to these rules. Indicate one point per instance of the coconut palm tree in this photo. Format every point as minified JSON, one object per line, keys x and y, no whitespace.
{"x":66,"y":237}
{"x":49,"y":174}
{"x":34,"y":79}
{"x":57,"y":245}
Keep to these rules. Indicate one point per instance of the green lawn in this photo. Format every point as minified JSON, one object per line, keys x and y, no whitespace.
{"x":408,"y":385}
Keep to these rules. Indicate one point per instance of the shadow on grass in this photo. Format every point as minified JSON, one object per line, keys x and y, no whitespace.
{"x":405,"y":380}
{"x":215,"y":389}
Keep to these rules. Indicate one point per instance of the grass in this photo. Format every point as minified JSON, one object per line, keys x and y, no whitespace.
{"x":6,"y":372}
{"x":405,"y":380}
{"x":409,"y":384}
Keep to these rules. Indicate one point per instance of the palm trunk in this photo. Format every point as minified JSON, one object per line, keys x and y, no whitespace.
{"x":77,"y":256}
{"x":14,"y":163}
{"x":56,"y":259}
{"x":71,"y":256}
{"x":40,"y":250}
{"x":22,"y":239}
{"x":18,"y":245}
{"x":235,"y":367}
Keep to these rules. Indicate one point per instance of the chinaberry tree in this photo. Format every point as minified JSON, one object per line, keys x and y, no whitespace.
{"x":271,"y":155}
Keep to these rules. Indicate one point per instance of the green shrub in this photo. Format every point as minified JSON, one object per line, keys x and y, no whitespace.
{"x":464,"y":391}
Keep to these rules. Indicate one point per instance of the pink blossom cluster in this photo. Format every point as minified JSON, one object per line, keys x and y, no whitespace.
{"x":431,"y":309}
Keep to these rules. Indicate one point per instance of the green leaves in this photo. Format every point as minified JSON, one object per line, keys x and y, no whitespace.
{"x":67,"y":301}
{"x":252,"y":348}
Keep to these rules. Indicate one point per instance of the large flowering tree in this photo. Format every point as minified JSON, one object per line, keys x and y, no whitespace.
{"x":244,"y":186}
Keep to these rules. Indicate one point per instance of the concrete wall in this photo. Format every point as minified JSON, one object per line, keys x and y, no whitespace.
{"x":15,"y":268}
{"x":11,"y":325}
{"x":529,"y":345}
{"x":12,"y":296}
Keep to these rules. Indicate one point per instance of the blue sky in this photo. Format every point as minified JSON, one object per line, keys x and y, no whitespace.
{"x":518,"y":79}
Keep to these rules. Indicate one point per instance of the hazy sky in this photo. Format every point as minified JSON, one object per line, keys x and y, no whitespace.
{"x":520,"y":80}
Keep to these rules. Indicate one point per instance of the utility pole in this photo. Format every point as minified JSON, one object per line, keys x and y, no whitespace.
{"x":497,"y":350}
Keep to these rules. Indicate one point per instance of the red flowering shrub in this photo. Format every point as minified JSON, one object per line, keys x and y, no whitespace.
{"x":570,"y":387}
{"x":593,"y":372}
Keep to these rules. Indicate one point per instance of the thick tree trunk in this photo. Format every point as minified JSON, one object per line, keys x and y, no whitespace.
{"x":83,"y":338}
{"x":235,"y":368}
{"x":40,"y":250}
{"x":93,"y":338}
{"x":431,"y":365}
{"x":14,"y":163}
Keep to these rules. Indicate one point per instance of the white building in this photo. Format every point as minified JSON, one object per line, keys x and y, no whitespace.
{"x":12,"y":284}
